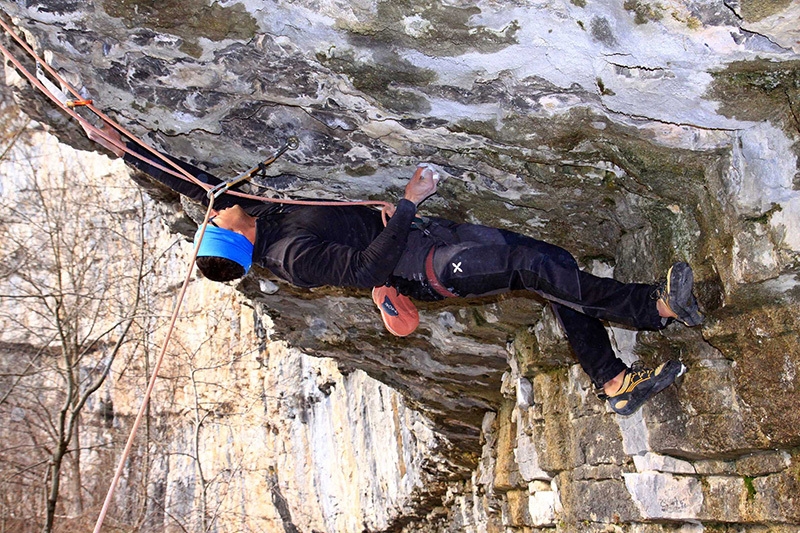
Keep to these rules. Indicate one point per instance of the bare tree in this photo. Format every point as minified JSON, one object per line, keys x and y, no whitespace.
{"x":73,"y":264}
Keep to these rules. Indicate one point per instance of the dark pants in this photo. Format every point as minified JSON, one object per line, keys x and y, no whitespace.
{"x":473,"y":260}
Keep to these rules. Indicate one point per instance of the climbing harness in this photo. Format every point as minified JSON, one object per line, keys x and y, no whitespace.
{"x":68,"y":99}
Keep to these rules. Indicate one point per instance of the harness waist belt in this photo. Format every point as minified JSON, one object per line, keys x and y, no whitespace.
{"x":432,"y":279}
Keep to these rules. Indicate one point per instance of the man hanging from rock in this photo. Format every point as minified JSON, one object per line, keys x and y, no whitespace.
{"x":433,"y":259}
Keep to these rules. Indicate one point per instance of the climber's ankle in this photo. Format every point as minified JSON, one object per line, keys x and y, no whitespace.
{"x":612,"y":385}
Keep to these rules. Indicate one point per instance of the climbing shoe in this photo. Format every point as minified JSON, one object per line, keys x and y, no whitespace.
{"x":399,"y":314}
{"x":640,"y":384}
{"x":676,"y":293}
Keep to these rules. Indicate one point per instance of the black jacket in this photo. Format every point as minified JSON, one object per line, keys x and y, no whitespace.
{"x":308,"y":246}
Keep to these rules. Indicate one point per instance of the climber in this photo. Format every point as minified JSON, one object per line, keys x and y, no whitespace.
{"x":432,"y":259}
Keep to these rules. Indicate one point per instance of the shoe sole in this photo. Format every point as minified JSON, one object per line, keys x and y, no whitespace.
{"x":683,"y":278}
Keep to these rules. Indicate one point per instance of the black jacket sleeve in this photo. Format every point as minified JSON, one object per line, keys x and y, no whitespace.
{"x":314,"y":261}
{"x":180,"y":185}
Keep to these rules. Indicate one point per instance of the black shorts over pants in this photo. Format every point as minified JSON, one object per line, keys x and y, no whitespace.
{"x":472,"y":260}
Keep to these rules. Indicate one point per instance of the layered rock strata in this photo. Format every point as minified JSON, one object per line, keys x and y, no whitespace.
{"x":633,"y":134}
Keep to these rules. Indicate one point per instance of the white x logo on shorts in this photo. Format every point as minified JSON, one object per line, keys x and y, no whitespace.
{"x":457,"y":267}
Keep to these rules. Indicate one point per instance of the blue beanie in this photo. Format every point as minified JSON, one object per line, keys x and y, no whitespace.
{"x":220,"y":242}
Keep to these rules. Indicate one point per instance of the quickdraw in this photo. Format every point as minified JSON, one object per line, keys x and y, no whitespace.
{"x":291,"y":144}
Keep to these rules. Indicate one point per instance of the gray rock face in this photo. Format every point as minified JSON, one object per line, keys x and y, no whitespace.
{"x":633,"y":134}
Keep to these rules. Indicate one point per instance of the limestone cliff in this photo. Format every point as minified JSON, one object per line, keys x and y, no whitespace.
{"x":631,"y":133}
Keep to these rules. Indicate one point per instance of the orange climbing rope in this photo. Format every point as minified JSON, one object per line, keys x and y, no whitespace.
{"x":68,"y":106}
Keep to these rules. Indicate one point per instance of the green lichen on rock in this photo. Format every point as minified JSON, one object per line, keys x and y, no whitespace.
{"x":760,"y":90}
{"x":188,"y":19}
{"x":389,"y":79}
{"x":758,"y":330}
{"x":755,"y":10}
{"x":655,"y":194}
{"x":603,"y":89}
{"x":360,"y":170}
{"x":433,"y":28}
{"x":766,"y":216}
{"x":644,"y":12}
{"x":751,"y":489}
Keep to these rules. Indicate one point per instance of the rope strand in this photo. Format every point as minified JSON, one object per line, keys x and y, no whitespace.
{"x":148,"y":393}
{"x":177,"y":171}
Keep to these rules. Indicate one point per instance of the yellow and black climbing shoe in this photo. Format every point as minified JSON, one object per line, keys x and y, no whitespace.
{"x":640,"y":384}
{"x":676,"y":293}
